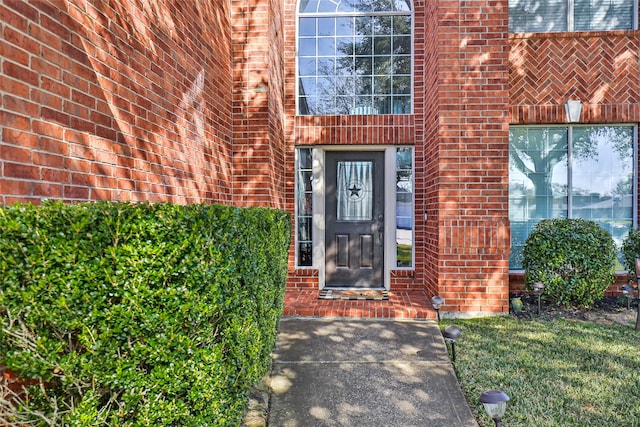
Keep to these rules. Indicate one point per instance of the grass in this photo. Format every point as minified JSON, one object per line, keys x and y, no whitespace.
{"x":557,"y":373}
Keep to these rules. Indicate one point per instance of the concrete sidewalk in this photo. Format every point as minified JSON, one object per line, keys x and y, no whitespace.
{"x":364,"y":373}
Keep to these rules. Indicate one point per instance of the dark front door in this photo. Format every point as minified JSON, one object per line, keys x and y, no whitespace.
{"x":354,"y":209}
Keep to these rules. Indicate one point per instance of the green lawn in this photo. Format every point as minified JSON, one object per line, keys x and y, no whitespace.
{"x":559,"y":373}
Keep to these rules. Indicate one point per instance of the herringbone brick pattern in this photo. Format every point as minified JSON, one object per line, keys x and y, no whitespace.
{"x":596,"y":70}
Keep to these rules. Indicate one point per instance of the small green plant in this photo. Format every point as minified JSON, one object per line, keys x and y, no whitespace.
{"x":631,"y":250}
{"x":574,"y":258}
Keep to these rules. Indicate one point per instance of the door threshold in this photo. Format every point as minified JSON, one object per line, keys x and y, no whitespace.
{"x":376,"y":294}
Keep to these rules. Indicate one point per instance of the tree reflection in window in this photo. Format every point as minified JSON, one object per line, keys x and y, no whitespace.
{"x":354,"y":57}
{"x":570,"y":171}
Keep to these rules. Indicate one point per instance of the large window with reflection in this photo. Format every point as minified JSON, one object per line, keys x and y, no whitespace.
{"x":536,"y":16}
{"x":571,"y":171}
{"x":354,"y":57}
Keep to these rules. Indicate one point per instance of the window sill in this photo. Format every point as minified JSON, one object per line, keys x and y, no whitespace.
{"x":575,"y":34}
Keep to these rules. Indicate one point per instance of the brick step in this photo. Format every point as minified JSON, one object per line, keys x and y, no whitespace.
{"x":400,"y":305}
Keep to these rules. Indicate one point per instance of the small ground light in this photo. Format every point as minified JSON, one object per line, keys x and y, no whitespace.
{"x":627,"y":291}
{"x":437,"y":302}
{"x":451,"y":334}
{"x":495,"y":403}
{"x":538,"y":288}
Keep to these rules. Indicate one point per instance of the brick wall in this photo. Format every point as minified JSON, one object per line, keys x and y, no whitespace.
{"x":472,"y":133}
{"x":599,"y":69}
{"x":258,"y":103}
{"x":459,"y":130}
{"x":129,"y":100}
{"x":115,"y":100}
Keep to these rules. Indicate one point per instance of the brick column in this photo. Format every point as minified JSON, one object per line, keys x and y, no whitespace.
{"x":472,"y":149}
{"x":258,"y":103}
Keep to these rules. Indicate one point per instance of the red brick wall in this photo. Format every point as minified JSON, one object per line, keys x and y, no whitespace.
{"x":459,"y":130}
{"x":115,"y":100}
{"x":599,"y":69}
{"x":258,"y":103}
{"x":472,"y":132}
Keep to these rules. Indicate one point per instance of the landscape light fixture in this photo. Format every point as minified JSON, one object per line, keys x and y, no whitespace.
{"x":627,"y":291}
{"x":437,"y":302}
{"x":451,"y":334}
{"x":538,"y":288}
{"x":573,"y":108}
{"x":495,"y":403}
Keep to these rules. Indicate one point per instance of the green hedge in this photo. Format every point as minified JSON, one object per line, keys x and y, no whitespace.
{"x":139,"y":314}
{"x":574,"y":258}
{"x":631,"y":250}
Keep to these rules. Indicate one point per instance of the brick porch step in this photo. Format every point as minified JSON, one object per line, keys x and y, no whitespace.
{"x":400,"y":305}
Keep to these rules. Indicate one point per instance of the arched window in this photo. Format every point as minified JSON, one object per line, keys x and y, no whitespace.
{"x":354,"y":57}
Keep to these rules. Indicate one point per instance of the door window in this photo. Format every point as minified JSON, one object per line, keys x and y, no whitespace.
{"x":355,"y":191}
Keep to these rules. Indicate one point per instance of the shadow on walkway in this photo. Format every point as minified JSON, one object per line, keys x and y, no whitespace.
{"x":355,"y":372}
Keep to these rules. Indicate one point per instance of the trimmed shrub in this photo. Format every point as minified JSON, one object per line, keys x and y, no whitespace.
{"x":573,"y":258}
{"x":139,"y":314}
{"x":631,"y":250}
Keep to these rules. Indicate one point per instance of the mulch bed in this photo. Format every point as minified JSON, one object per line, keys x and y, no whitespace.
{"x":607,"y":311}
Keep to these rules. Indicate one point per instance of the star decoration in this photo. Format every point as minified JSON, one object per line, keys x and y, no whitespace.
{"x":355,"y":191}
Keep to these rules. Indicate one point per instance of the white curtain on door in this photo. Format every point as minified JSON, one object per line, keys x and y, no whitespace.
{"x":354,"y":191}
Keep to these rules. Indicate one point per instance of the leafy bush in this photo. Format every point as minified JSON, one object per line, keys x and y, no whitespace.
{"x":138,"y":314}
{"x":631,"y":250}
{"x":573,"y":258}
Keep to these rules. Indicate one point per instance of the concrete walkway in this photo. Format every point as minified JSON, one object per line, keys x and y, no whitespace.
{"x":364,"y":373}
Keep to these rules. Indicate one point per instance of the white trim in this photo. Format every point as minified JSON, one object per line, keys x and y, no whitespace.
{"x":389,"y":214}
{"x":318,"y":245}
{"x":319,"y":226}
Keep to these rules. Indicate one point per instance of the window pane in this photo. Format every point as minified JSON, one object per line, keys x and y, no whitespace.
{"x":402,"y":5}
{"x":401,"y":105}
{"x":602,"y":177}
{"x":402,"y":45}
{"x":383,"y":5}
{"x":402,"y":25}
{"x":308,"y":6}
{"x":382,"y":45}
{"x":344,"y":26}
{"x":354,"y":191}
{"x":326,"y":46}
{"x":534,"y":16}
{"x":382,"y":25}
{"x":307,"y":27}
{"x":537,"y":181}
{"x":304,"y":206}
{"x":383,"y":104}
{"x":404,"y":207}
{"x":326,"y":26}
{"x":351,"y":50}
{"x":401,"y":65}
{"x":603,"y":15}
{"x":307,"y":47}
{"x":401,"y":85}
{"x":308,"y":86}
{"x":307,"y":66}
